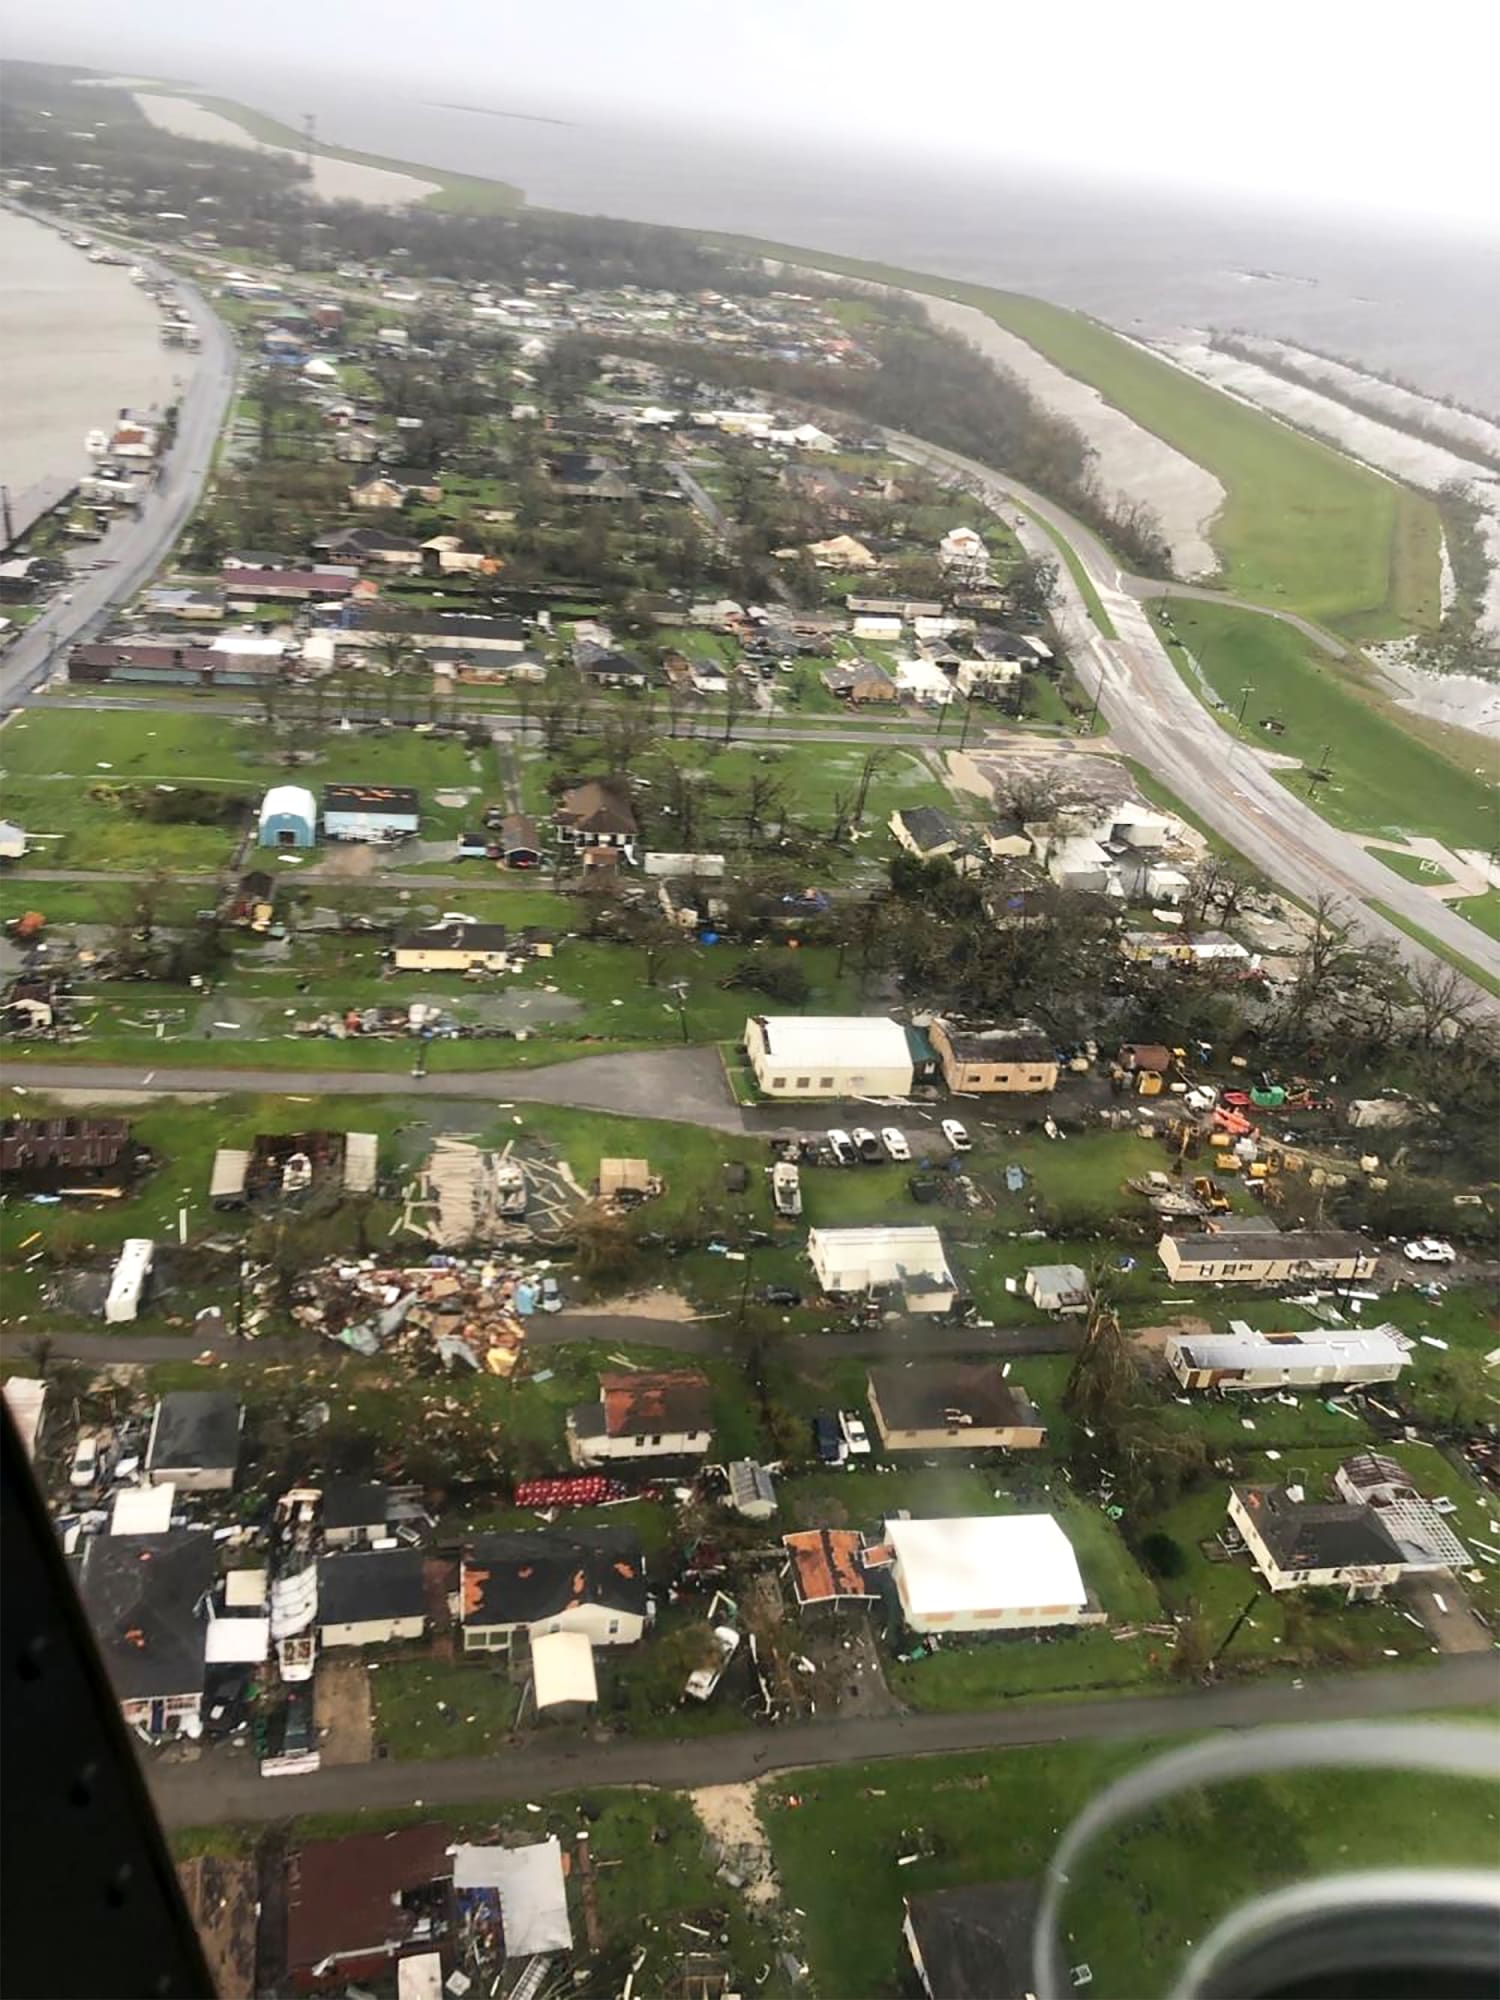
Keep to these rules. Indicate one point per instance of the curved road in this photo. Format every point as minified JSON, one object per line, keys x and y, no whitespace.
{"x":1155,"y":718}
{"x":136,"y":544}
{"x":223,"y":1785}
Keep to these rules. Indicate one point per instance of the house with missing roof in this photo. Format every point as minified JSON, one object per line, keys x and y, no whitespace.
{"x":588,"y":1580}
{"x":1248,"y":1358}
{"x":952,"y":1406}
{"x":1013,"y":1060}
{"x":353,"y":1514}
{"x":643,"y":1415}
{"x":829,"y":1055}
{"x":146,"y":1598}
{"x":987,"y":1573}
{"x":903,"y":1265}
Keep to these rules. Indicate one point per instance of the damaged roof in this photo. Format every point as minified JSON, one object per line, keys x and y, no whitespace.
{"x":674,"y":1400}
{"x":143,"y":1595}
{"x":369,"y":1586}
{"x":826,"y":1564}
{"x":195,"y":1429}
{"x":520,"y":1578}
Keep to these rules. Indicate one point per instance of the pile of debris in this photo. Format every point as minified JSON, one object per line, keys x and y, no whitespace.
{"x":463,"y":1194}
{"x":448,"y":1312}
{"x":584,"y":1489}
{"x":419,"y":1018}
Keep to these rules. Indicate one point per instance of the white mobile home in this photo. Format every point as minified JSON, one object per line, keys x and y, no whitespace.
{"x":909,"y":1262}
{"x":1248,"y":1359}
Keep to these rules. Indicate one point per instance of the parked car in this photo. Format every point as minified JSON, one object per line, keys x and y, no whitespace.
{"x":842,"y":1147}
{"x":894,"y":1142}
{"x":551,"y":1298}
{"x":956,"y":1136}
{"x":866,"y":1145}
{"x":702,"y":1682}
{"x":1430,"y":1250}
{"x":828,"y":1439}
{"x":924,"y":1187}
{"x":781,"y":1295}
{"x":856,"y":1437}
{"x":85,"y":1467}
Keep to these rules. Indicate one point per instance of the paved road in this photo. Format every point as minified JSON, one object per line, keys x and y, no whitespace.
{"x":683,"y":1086}
{"x":136,"y":544}
{"x":222,"y":1785}
{"x":1155,"y":718}
{"x":712,"y":1336}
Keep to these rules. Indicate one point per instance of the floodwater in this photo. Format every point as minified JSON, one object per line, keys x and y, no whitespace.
{"x":333,"y":180}
{"x":78,"y":343}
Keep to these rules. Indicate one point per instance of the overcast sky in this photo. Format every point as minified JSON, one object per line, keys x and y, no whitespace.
{"x":1373,"y":104}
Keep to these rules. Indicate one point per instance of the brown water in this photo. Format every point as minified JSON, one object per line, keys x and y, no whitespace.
{"x":78,"y":341}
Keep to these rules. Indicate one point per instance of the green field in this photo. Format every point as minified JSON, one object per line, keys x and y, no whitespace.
{"x":851,"y":1843}
{"x":1483,"y":912}
{"x":1392,"y":774}
{"x":1412,"y":868}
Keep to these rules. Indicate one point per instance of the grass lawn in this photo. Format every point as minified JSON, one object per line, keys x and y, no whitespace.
{"x":1413,"y":868}
{"x":1392,"y":774}
{"x":839,"y":1837}
{"x":1482,"y":911}
{"x":61,"y":770}
{"x":440,"y":1708}
{"x":1438,"y":948}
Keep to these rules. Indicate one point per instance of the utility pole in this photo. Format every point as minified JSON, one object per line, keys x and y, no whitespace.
{"x":963,"y":736}
{"x":1245,"y":694}
{"x":1224,"y":1643}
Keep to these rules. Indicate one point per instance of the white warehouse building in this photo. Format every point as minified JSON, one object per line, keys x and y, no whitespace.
{"x":829,"y":1055}
{"x":987,"y":1573}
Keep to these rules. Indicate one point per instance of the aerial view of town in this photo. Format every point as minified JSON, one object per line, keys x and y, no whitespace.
{"x":750,"y":1092}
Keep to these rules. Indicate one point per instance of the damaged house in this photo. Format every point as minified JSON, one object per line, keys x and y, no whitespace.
{"x":589,"y":1580}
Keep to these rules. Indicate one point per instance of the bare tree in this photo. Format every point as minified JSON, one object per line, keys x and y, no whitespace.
{"x":764,"y":799}
{"x":876,"y":764}
{"x":1443,"y":1002}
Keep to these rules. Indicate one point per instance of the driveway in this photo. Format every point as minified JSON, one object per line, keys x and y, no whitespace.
{"x":223,"y":1785}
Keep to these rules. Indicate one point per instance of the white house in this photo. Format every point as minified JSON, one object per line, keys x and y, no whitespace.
{"x":371,"y":1597}
{"x":1298,"y":1543}
{"x":908,"y":1261}
{"x":1248,"y":1358}
{"x":1266,"y":1256}
{"x":986,"y":1573}
{"x":984,"y":679}
{"x":641,"y":1415}
{"x":1058,"y":1288}
{"x":921,"y":680}
{"x":829,"y":1055}
{"x":592,"y":1581}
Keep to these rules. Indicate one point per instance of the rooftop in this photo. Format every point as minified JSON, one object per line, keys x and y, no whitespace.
{"x":344,"y":1896}
{"x":936,"y":1395}
{"x":1298,"y":1245}
{"x":195,"y":1429}
{"x":520,"y":1578}
{"x":369,"y":798}
{"x":370,"y":1585}
{"x":975,"y":1941}
{"x":851,"y":1040}
{"x":826,"y":1564}
{"x":674,"y":1400}
{"x":1022,"y":1042}
{"x":143,"y":1595}
{"x":354,"y":1503}
{"x":929,"y":826}
{"x":989,"y":1562}
{"x":1318,"y":1534}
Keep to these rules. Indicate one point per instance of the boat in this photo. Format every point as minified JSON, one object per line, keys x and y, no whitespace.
{"x":786,"y":1188}
{"x":96,"y":444}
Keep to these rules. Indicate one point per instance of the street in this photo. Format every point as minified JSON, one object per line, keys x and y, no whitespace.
{"x":1155,"y":718}
{"x":224,"y":1785}
{"x":137,"y":543}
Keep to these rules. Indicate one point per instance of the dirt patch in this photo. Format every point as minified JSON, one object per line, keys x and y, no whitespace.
{"x":220,"y":1895}
{"x":349,"y":861}
{"x":342,"y":1712}
{"x":729,"y":1818}
{"x":646,"y":1305}
{"x":1152,"y":1339}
